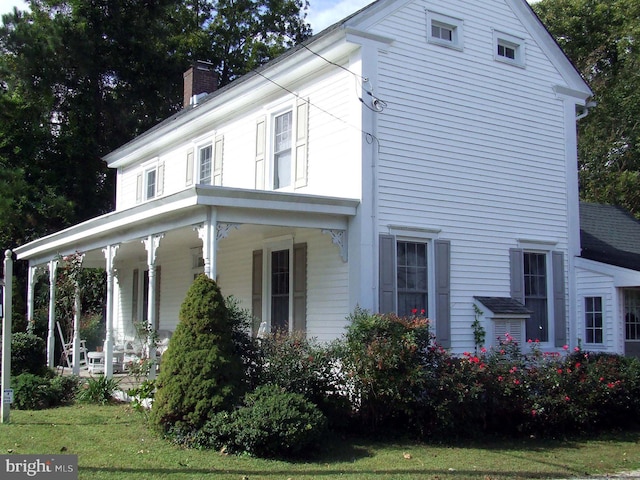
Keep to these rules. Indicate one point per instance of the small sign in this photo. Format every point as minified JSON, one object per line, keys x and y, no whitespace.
{"x":8,"y":395}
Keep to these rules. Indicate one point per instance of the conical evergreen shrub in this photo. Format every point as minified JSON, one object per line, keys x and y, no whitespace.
{"x":201,"y":372}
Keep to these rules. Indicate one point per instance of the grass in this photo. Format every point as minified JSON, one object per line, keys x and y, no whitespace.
{"x":113,"y":442}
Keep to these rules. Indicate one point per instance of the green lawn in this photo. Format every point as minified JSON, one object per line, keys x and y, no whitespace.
{"x":112,"y":442}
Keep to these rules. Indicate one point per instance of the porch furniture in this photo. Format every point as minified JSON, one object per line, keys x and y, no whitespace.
{"x":96,"y":362}
{"x":67,"y":351}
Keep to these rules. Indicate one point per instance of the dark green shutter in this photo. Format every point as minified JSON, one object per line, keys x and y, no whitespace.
{"x":300,"y":287}
{"x":516,"y":269}
{"x":387,"y":274}
{"x":559,"y":306}
{"x":442,"y":254}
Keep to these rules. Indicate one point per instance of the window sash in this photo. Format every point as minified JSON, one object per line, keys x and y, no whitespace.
{"x":282,"y":138}
{"x":151,"y":184}
{"x":442,"y":32}
{"x":535,"y":295}
{"x":412,"y":277}
{"x":507,"y":51}
{"x":205,"y":169}
{"x":632,"y":314}
{"x":593,"y":319}
{"x":280,"y":273}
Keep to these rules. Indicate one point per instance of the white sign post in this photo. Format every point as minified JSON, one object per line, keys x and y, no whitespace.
{"x":7,"y":393}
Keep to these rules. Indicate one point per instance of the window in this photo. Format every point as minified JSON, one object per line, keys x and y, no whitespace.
{"x":151,"y":177}
{"x":444,"y":30}
{"x":508,"y":48}
{"x":205,"y":165}
{"x":593,"y":319}
{"x":280,"y":291}
{"x":279,"y":297}
{"x":535,"y":295}
{"x":412,"y":277}
{"x":632,"y":314}
{"x":282,"y":150}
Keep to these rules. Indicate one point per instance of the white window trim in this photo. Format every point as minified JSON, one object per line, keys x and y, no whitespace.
{"x":516,"y":43}
{"x":270,"y":147}
{"x":584,"y":319}
{"x":199,"y":149}
{"x":427,"y":237}
{"x":145,"y":183}
{"x":270,"y":245}
{"x":455,"y":24}
{"x":548,"y":266}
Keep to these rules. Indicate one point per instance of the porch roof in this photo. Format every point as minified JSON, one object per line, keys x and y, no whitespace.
{"x":189,"y":207}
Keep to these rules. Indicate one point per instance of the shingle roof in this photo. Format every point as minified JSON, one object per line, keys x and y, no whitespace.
{"x":504,"y":305}
{"x":609,"y":234}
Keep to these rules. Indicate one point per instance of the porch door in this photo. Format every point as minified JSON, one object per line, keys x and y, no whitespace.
{"x":280,"y":291}
{"x":632,"y":322}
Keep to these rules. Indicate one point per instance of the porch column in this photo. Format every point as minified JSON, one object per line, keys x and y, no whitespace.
{"x":207,"y":233}
{"x":76,"y":328}
{"x":110,"y":254}
{"x":151,"y":244}
{"x":31,"y":285}
{"x":51,"y":339}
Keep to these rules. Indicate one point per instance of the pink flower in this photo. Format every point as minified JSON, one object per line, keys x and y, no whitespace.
{"x":516,"y":382}
{"x":414,"y":311}
{"x":529,"y":341}
{"x":422,"y":312}
{"x":483,"y":350}
{"x":533,"y":413}
{"x":566,"y":398}
{"x":576,"y":349}
{"x":565,"y":347}
{"x":500,"y":378}
{"x":559,"y":371}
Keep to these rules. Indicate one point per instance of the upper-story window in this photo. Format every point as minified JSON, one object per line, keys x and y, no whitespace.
{"x":150,"y":181}
{"x":444,"y":30}
{"x":282,"y":150}
{"x":151,"y":178}
{"x":205,"y":165}
{"x":508,"y":49}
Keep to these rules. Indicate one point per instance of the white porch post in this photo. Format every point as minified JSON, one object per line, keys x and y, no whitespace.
{"x":31,"y":286}
{"x":76,"y":328}
{"x":51,"y":339}
{"x":151,"y":244}
{"x":110,"y":254}
{"x":207,"y":233}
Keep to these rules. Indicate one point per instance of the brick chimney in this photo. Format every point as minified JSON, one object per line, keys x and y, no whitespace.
{"x":199,"y":79}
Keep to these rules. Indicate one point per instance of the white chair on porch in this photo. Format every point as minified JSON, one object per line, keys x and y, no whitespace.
{"x":67,"y":351}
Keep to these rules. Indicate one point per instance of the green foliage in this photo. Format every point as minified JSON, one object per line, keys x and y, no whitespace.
{"x":300,"y":365}
{"x":98,"y":390}
{"x":92,"y":330}
{"x":35,"y":392}
{"x":272,"y":423}
{"x":28,"y":354}
{"x":383,"y":359}
{"x":202,"y":371}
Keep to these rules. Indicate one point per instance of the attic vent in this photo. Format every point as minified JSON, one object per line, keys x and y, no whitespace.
{"x":513,"y":327}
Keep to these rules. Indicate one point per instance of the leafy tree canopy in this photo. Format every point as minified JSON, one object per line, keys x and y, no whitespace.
{"x":601,"y":38}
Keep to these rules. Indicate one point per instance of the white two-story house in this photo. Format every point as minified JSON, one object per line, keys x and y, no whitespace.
{"x":419,"y":154}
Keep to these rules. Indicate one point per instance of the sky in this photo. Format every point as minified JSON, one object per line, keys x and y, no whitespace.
{"x":322,"y":13}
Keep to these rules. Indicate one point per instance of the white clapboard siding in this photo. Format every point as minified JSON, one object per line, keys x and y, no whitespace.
{"x":469,"y":146}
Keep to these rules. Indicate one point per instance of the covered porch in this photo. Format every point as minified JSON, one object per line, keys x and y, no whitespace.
{"x":282,"y":256}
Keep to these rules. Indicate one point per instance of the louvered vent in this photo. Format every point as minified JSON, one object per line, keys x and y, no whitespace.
{"x":513,"y":327}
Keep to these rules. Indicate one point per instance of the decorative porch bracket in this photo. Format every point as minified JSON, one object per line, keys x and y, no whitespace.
{"x":109,"y":254}
{"x":223,"y":229}
{"x":339,"y":238}
{"x":151,"y":244}
{"x":51,"y":340}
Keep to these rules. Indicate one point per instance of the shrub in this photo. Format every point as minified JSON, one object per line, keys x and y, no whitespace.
{"x":300,"y":365}
{"x":202,"y":372}
{"x":28,"y":354}
{"x":98,"y":389}
{"x":272,"y":423}
{"x":35,"y":392}
{"x":384,"y":358}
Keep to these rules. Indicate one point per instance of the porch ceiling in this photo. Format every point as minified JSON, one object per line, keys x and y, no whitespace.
{"x":187,"y":208}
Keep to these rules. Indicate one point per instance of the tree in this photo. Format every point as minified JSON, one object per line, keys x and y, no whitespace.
{"x":601,"y":38}
{"x":202,"y":370}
